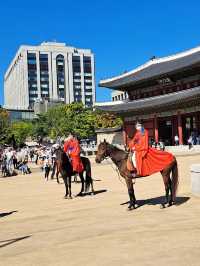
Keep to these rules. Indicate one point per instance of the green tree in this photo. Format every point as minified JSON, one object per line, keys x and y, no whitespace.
{"x":4,"y":124}
{"x":107,"y":120}
{"x":63,"y":119}
{"x":40,"y":126}
{"x":21,"y":131}
{"x":75,"y":118}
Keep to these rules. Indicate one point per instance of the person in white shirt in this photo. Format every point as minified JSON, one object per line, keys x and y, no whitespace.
{"x":9,"y":161}
{"x":47,"y":167}
{"x":176,"y":140}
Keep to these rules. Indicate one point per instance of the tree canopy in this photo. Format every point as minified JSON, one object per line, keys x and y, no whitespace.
{"x":58,"y":121}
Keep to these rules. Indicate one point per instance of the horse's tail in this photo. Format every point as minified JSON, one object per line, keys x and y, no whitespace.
{"x":88,"y":171}
{"x":175,"y":180}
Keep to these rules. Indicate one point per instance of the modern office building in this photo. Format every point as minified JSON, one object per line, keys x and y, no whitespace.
{"x":51,"y":71}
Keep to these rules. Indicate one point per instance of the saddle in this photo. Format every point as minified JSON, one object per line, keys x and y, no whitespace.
{"x":129,"y":164}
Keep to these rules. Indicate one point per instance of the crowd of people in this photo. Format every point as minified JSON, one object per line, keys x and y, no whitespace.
{"x":12,"y":160}
{"x":157,"y":145}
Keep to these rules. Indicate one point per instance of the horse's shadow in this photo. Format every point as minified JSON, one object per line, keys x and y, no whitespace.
{"x":11,"y":241}
{"x":95,"y":192}
{"x":3,"y":214}
{"x":158,"y":201}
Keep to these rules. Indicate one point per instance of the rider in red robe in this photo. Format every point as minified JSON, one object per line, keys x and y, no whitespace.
{"x":148,"y":159}
{"x":72,"y":147}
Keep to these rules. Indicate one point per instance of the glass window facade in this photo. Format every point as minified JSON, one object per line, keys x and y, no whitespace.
{"x":44,"y":76}
{"x":60,"y":67}
{"x":32,"y":78}
{"x":87,"y":81}
{"x":87,"y":64}
{"x":81,"y":77}
{"x":76,"y":66}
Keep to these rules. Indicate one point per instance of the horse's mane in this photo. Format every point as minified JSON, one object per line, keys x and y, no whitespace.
{"x":117,"y":150}
{"x":113,"y":147}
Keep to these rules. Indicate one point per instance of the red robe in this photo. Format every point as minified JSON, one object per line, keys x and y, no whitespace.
{"x":148,"y":160}
{"x":73,"y":147}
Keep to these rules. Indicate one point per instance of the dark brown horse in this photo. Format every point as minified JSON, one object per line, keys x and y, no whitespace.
{"x":64,"y":167}
{"x":120,"y":157}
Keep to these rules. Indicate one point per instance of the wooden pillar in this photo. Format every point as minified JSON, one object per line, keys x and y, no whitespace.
{"x":180,"y":130}
{"x":124,"y":135}
{"x":197,"y":116}
{"x":156,"y":128}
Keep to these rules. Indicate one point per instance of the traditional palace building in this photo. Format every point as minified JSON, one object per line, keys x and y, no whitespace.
{"x":164,"y":94}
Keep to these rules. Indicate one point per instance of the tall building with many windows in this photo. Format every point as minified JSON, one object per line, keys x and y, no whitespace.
{"x":51,"y":71}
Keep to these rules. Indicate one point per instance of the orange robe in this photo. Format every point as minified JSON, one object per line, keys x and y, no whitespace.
{"x":148,"y":159}
{"x":73,"y":147}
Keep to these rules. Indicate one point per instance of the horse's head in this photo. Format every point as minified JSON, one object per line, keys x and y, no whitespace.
{"x":102,"y":151}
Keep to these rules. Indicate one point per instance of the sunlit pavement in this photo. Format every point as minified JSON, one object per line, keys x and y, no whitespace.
{"x":39,"y":227}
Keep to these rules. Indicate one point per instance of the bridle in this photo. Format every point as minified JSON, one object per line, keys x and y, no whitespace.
{"x":104,"y":155}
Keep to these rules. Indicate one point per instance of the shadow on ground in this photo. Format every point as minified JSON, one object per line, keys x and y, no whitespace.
{"x":3,"y":214}
{"x":95,"y":192}
{"x":158,"y":201}
{"x":11,"y":241}
{"x":79,"y":182}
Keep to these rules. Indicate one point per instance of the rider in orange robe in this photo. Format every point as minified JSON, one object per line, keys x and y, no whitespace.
{"x":148,"y":159}
{"x":72,"y":147}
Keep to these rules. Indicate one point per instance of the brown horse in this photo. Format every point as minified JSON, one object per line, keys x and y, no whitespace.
{"x":64,"y":167}
{"x":120,"y":157}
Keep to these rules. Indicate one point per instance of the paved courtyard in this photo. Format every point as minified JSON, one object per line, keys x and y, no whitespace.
{"x":39,"y":227}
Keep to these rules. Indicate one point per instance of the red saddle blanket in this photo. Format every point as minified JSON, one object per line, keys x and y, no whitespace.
{"x":77,"y":164}
{"x":151,"y":162}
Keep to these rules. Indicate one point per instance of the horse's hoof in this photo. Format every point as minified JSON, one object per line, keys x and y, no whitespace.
{"x":92,"y":193}
{"x":162,"y":206}
{"x":80,"y":194}
{"x":170,"y":204}
{"x":131,"y":207}
{"x":68,"y":197}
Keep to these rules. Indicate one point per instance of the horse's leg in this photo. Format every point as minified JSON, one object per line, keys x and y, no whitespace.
{"x":82,"y":184}
{"x":66,"y":186}
{"x":171,"y":194}
{"x":75,"y":178}
{"x":88,"y":174}
{"x":167,"y":183}
{"x":88,"y":183}
{"x":69,"y":186}
{"x":57,"y":176}
{"x":131,"y":194}
{"x":92,"y":187}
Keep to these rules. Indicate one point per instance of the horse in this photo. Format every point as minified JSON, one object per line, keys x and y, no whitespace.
{"x":64,"y":167}
{"x":120,"y":157}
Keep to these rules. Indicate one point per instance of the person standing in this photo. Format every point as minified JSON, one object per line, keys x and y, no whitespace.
{"x":47,"y":167}
{"x":53,"y":163}
{"x":9,"y":161}
{"x":176,"y":140}
{"x":190,"y":142}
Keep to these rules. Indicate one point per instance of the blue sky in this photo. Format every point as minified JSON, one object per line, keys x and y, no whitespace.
{"x":122,"y":34}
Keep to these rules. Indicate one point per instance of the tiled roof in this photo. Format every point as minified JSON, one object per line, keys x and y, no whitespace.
{"x":155,"y":68}
{"x":166,"y":101}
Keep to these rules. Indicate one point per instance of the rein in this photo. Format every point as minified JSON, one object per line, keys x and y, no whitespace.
{"x":109,"y":154}
{"x":115,"y":169}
